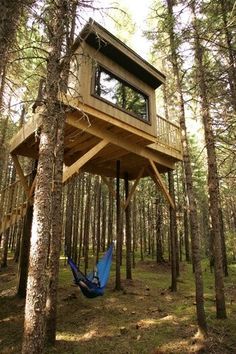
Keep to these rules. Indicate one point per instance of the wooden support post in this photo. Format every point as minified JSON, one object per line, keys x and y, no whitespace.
{"x":133,"y":188}
{"x":83,"y":160}
{"x":118,"y":228}
{"x":21,"y":174}
{"x":161,"y":184}
{"x":173,"y":237}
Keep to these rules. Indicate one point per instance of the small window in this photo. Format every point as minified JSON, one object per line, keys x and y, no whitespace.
{"x":121,"y":94}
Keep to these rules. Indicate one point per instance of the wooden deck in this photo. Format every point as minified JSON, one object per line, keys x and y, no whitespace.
{"x":94,"y":141}
{"x":98,"y":140}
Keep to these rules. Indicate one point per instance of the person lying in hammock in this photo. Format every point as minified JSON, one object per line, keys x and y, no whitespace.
{"x":95,"y":281}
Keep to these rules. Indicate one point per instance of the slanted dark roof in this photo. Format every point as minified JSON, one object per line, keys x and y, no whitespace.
{"x":104,"y":41}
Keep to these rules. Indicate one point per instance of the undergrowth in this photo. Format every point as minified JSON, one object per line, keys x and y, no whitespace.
{"x":145,"y":317}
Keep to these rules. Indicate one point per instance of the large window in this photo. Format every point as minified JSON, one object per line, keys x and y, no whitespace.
{"x":121,"y":94}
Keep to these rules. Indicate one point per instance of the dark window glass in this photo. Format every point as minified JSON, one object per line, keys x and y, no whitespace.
{"x":121,"y":94}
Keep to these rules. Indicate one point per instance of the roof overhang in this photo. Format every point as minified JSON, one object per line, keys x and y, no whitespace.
{"x":99,"y":38}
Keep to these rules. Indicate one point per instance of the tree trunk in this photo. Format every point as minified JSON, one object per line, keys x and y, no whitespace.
{"x":18,"y":240}
{"x":76,"y":220}
{"x":223,"y":245}
{"x":173,"y":232}
{"x":81,"y":220}
{"x":56,"y":236}
{"x":159,"y":223}
{"x":87,"y":223}
{"x":230,"y":50}
{"x":118,"y":228}
{"x":128,"y":231}
{"x":104,"y":221}
{"x":98,"y":213}
{"x":34,"y":325}
{"x":25,"y":245}
{"x":95,"y":197}
{"x":213,"y":182}
{"x":69,"y":217}
{"x":110,"y":218}
{"x":141,"y":228}
{"x":135,"y":229}
{"x":201,"y":317}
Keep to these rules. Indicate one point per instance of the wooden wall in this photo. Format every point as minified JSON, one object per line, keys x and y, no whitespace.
{"x":82,"y":80}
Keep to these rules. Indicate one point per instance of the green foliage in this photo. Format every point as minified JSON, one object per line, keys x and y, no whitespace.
{"x":29,"y":63}
{"x":124,"y":26}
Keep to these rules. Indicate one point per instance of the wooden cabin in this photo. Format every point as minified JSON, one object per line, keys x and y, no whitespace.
{"x":111,"y":115}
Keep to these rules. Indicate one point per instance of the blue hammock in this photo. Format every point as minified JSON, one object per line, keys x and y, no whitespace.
{"x":88,"y":286}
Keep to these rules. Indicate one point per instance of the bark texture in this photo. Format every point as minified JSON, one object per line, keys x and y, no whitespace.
{"x":213,"y":180}
{"x":56,"y":233}
{"x":173,"y":233}
{"x":128,"y":232}
{"x":199,"y":291}
{"x":35,"y":308}
{"x":118,"y":228}
{"x":25,"y":247}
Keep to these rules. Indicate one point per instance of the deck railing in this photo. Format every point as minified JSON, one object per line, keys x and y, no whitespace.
{"x":168,"y":134}
{"x":13,"y":204}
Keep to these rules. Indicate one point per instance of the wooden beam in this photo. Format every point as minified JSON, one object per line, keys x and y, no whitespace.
{"x":166,"y":149}
{"x":21,"y":174}
{"x":83,"y":160}
{"x":161,"y":184}
{"x":111,"y":190}
{"x":122,"y":142}
{"x":111,"y":153}
{"x":91,"y":111}
{"x":133,"y":188}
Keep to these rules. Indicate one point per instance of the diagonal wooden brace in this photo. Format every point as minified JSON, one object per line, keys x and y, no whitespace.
{"x":70,"y":171}
{"x":161,"y":184}
{"x":134,"y":187}
{"x":21,"y":175}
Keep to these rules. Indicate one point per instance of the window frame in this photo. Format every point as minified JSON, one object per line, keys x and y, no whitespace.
{"x":126,"y":83}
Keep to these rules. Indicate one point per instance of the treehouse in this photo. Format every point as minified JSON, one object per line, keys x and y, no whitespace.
{"x":110,"y":115}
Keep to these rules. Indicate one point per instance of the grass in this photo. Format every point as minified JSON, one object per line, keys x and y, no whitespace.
{"x":146,"y":317}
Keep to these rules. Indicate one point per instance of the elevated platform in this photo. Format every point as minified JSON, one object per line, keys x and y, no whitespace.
{"x":106,"y":140}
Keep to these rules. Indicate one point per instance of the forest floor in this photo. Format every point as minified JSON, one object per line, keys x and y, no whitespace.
{"x":146,"y":317}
